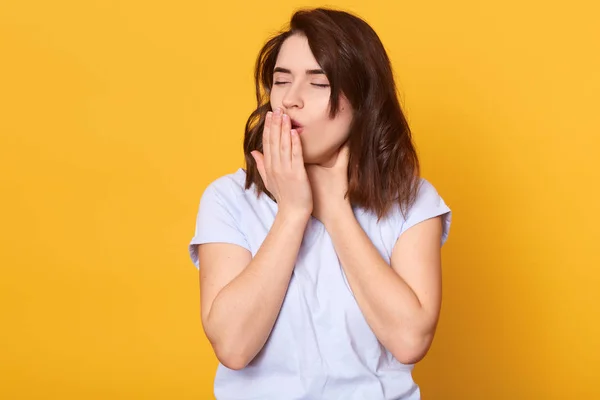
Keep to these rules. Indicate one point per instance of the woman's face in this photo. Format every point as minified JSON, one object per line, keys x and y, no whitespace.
{"x":301,"y":90}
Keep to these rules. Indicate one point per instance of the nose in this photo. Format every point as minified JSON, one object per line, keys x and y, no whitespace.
{"x":292,"y":98}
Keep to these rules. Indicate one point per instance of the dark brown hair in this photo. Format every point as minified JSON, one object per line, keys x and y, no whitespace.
{"x":383,"y":168}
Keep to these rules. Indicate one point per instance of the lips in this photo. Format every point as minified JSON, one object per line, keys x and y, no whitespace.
{"x":297,"y":125}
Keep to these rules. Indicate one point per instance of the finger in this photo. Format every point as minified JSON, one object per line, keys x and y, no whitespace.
{"x":297,"y":157}
{"x":274,"y":139}
{"x":260,"y":165}
{"x":267,"y":141}
{"x":286,"y":143}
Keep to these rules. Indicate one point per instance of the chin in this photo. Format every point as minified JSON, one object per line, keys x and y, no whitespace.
{"x":320,"y":160}
{"x":313,"y":159}
{"x":308,"y":161}
{"x":308,"y":157}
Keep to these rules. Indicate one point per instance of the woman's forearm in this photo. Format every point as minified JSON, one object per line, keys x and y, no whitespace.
{"x":244,"y":311}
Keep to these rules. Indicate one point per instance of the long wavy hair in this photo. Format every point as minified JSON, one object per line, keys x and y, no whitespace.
{"x":383,"y":168}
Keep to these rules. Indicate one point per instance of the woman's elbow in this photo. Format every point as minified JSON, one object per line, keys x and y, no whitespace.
{"x":231,"y":357}
{"x":233,"y":362}
{"x":412,"y":350}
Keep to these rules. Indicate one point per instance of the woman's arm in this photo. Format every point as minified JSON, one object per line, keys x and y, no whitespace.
{"x":401,"y":304}
{"x":240,"y":296}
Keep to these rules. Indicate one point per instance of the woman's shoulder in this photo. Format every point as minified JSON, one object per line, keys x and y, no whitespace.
{"x":427,"y":194}
{"x":428,"y":204}
{"x":228,"y":186}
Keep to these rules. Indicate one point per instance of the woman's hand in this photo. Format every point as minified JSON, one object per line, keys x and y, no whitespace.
{"x":282,"y":165}
{"x":329,"y":186}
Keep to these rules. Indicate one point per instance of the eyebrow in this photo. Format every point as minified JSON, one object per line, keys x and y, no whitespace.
{"x":308,"y":71}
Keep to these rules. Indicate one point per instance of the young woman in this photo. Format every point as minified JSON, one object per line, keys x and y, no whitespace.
{"x":319,"y":263}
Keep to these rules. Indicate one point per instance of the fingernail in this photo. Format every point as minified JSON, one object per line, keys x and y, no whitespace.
{"x":286,"y":117}
{"x":278,"y":111}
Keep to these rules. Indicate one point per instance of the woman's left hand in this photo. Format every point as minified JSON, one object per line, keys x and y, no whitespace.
{"x":329,"y":186}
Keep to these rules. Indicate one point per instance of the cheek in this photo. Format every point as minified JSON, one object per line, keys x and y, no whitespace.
{"x":275,"y":100}
{"x":337,"y":127}
{"x":343,"y":121}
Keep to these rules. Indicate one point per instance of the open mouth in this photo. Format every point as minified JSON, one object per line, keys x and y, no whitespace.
{"x":297,"y":126}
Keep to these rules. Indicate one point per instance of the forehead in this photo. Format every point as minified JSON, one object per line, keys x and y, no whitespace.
{"x":295,"y":54}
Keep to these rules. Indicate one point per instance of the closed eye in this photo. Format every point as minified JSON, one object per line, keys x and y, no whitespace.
{"x":314,"y":84}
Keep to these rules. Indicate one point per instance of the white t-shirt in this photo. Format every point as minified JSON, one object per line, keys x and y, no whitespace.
{"x":321,"y":346}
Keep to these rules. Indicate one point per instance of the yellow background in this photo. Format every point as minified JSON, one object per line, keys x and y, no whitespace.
{"x":115,"y":115}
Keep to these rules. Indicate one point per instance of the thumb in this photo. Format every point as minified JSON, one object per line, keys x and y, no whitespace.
{"x":260,"y":165}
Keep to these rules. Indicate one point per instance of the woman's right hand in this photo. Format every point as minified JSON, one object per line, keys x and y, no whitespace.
{"x":282,"y":165}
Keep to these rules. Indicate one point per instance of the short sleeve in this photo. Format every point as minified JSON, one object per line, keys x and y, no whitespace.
{"x":428,"y":204}
{"x":217,"y":220}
